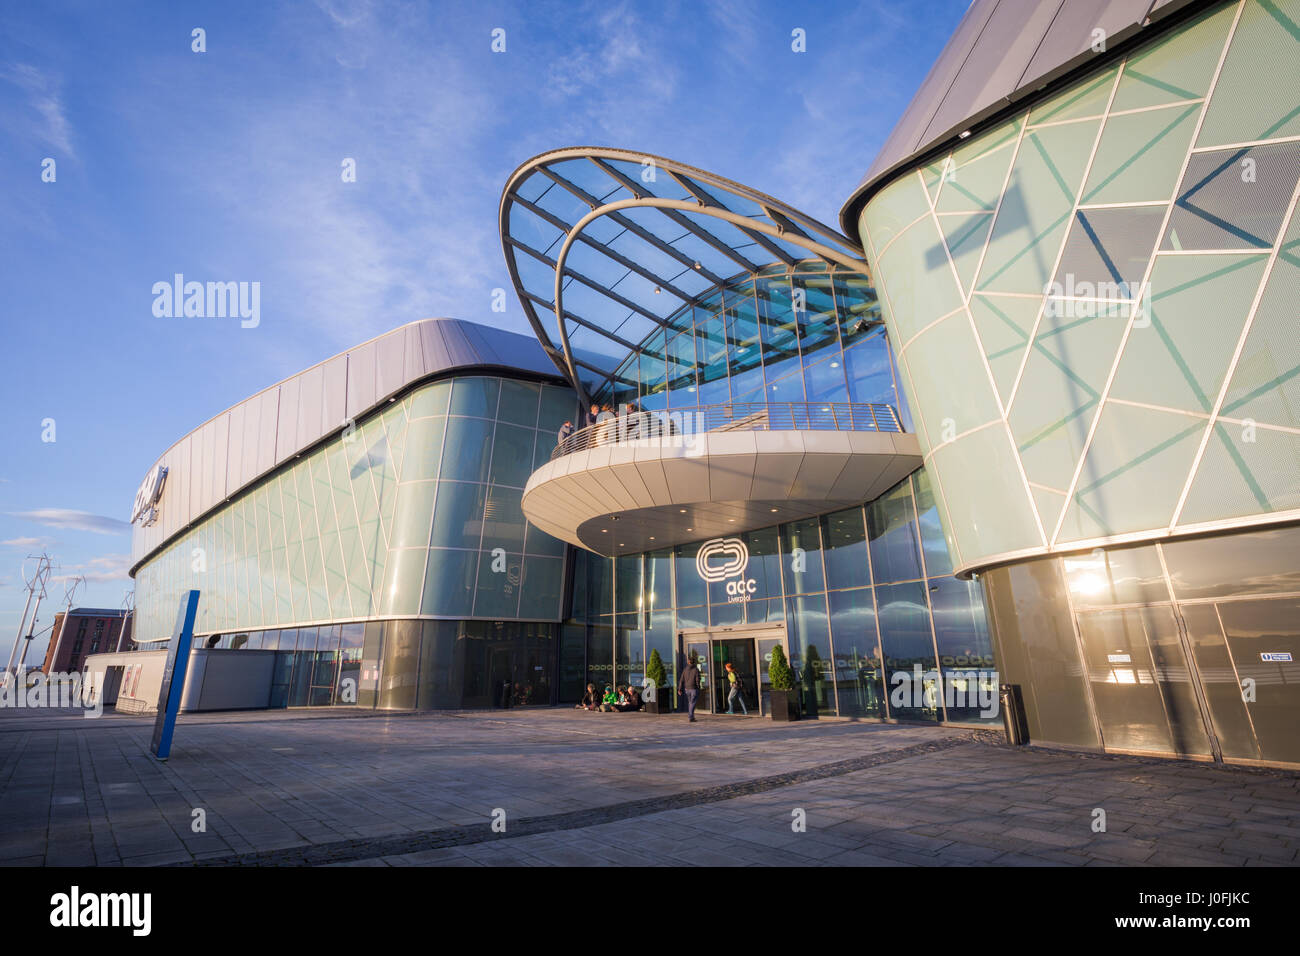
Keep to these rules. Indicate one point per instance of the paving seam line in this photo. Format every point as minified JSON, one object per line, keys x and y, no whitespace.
{"x":346,"y":851}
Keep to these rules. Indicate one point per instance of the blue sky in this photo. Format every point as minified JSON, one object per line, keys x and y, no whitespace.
{"x":225,"y":166}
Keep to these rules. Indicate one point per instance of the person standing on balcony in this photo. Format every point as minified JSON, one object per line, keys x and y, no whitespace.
{"x":565,"y":431}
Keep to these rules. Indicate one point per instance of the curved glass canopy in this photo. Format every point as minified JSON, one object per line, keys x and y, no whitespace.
{"x":619,"y":246}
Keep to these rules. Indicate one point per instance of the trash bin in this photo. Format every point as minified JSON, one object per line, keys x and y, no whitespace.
{"x":1013,"y":714}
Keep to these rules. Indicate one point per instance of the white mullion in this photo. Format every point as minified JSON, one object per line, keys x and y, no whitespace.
{"x":1124,"y":205}
{"x":1160,"y":408}
{"x":1256,"y":251}
{"x":1146,"y":279}
{"x":1236,"y":355}
{"x":1159,"y":106}
{"x":1246,"y":145}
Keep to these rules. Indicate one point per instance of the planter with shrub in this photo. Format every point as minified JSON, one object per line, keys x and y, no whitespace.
{"x":784,"y":699}
{"x":663,"y":702}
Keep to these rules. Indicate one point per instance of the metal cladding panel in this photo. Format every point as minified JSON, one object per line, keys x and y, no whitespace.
{"x":456,"y":346}
{"x":334,"y":399}
{"x":235,"y":447}
{"x":907,"y":135}
{"x":221,"y":448}
{"x":390,"y":363}
{"x":414,"y":365}
{"x":307,"y":415}
{"x":361,"y":379}
{"x":1072,"y":34}
{"x":1002,"y":51}
{"x":248,"y":441}
{"x":174,"y":518}
{"x":994,"y":66}
{"x":286,"y":428}
{"x":268,"y":421}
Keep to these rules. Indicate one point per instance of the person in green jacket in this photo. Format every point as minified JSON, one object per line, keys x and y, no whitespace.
{"x":609,"y":701}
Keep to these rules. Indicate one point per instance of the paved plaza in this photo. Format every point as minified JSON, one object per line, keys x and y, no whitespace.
{"x":341,"y":787}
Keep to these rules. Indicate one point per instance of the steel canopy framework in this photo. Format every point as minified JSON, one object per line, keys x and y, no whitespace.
{"x":615,"y":243}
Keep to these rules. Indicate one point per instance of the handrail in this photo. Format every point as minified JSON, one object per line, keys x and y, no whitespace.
{"x":634,"y":425}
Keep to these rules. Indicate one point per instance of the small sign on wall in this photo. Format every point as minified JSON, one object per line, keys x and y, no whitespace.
{"x":1275,"y":657}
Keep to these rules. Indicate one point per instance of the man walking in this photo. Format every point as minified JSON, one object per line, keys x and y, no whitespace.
{"x":690,"y":685}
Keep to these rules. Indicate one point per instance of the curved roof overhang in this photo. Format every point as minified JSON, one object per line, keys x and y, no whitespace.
{"x":234,"y":450}
{"x":606,"y":246}
{"x":1003,"y":57}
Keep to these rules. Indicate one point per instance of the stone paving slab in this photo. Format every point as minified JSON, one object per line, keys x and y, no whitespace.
{"x":578,"y":789}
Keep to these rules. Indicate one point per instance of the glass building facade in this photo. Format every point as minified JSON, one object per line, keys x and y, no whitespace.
{"x":1092,"y":300}
{"x":797,"y":334}
{"x":863,"y":594}
{"x":394,"y":553}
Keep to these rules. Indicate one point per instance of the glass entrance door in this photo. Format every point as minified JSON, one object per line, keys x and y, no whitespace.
{"x":748,"y":650}
{"x":742,"y":655}
{"x":698,"y":651}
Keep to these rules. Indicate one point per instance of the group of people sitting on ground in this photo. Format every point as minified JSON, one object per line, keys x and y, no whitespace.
{"x":625,"y":700}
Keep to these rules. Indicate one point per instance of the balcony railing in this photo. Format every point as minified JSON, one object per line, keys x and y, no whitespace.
{"x":634,"y":426}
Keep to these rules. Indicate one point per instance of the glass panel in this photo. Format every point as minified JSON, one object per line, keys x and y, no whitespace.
{"x":1244,"y":109}
{"x":1036,"y":208}
{"x":859,"y":670}
{"x":1037,"y":650}
{"x":846,"y":549}
{"x":466,"y":453}
{"x":437,"y":688}
{"x":808,"y":632}
{"x":475,"y":396}
{"x":802,"y":559}
{"x":1264,"y":639}
{"x":1224,"y":692}
{"x":518,"y":403}
{"x":1140,"y":681}
{"x":449,"y":582}
{"x":1116,"y":576}
{"x":1249,"y":562}
{"x":908,"y":647}
{"x":891,"y":529}
{"x":965,"y":651}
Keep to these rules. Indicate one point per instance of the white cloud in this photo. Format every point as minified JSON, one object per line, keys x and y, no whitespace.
{"x":45,"y":99}
{"x":108,"y":567}
{"x":74,"y":520}
{"x":21,"y":543}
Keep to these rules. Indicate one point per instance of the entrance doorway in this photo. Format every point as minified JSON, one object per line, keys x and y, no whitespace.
{"x":748,"y":650}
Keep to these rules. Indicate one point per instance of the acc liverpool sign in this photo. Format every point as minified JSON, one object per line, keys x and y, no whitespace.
{"x":145,"y":508}
{"x":721,"y":559}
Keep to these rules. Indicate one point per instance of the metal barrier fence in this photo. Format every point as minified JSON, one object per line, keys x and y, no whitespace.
{"x":637,"y":425}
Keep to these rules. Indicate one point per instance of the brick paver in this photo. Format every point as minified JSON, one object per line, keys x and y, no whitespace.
{"x":358,"y":788}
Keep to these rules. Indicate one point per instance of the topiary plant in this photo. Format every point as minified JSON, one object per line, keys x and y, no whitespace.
{"x":779,"y":671}
{"x":655,"y":670}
